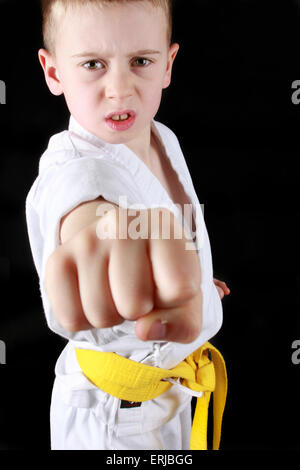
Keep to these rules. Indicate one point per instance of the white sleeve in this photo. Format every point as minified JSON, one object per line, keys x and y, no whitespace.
{"x":57,"y":190}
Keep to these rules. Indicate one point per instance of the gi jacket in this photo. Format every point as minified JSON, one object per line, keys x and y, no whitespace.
{"x":77,"y":167}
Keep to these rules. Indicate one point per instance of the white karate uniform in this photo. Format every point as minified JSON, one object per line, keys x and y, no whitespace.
{"x":76,"y":167}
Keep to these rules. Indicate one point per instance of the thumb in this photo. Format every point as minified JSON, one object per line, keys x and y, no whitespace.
{"x":181,"y":324}
{"x":152,"y":329}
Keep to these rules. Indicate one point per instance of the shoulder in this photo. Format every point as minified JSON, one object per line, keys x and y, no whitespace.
{"x":165,"y":132}
{"x":168,"y":137}
{"x":67,"y":147}
{"x":59,"y":149}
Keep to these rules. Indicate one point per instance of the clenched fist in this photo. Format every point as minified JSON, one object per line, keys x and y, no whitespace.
{"x":102,"y":273}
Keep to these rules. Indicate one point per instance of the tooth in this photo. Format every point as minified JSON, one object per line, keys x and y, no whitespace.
{"x":123,"y":117}
{"x":116,"y":117}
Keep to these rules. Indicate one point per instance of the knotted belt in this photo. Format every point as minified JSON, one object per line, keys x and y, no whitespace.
{"x":202,"y":371}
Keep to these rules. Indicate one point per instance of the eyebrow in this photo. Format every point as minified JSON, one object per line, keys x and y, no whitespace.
{"x":133,"y":54}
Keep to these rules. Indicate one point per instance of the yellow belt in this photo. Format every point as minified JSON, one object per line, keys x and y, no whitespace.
{"x":202,"y":371}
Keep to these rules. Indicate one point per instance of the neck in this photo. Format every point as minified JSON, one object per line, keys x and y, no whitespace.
{"x":142,"y":146}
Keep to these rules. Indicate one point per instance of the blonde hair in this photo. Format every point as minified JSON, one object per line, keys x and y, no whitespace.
{"x":52,"y":10}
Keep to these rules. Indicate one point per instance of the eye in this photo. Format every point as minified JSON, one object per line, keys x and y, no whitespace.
{"x":141,"y":62}
{"x":93,"y":65}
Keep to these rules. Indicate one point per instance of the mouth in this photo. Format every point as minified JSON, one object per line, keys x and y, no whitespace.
{"x":120,"y":120}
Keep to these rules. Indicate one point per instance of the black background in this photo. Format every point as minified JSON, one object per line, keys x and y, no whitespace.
{"x":230,"y":105}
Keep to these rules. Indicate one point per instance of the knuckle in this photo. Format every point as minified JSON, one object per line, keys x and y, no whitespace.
{"x":86,"y":243}
{"x":129,"y":313}
{"x":52,"y":262}
{"x":72,"y":325}
{"x":97,"y":322}
{"x":105,"y":321}
{"x":104,"y":317}
{"x":196,"y":328}
{"x":191,"y":337}
{"x":188,"y":289}
{"x":191,"y":327}
{"x":57,"y":265}
{"x":183,"y":291}
{"x":134,"y":310}
{"x":192,"y":332}
{"x":108,"y":225}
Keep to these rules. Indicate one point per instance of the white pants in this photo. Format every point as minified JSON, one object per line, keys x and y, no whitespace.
{"x":109,"y":427}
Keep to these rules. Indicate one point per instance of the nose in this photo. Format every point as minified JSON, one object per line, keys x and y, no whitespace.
{"x":119,"y":84}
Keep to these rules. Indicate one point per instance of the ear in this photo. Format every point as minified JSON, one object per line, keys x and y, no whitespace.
{"x":50,"y":71}
{"x":171,"y":57}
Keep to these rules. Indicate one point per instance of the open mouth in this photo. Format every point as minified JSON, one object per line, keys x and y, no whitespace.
{"x":121,"y":121}
{"x":120,"y":117}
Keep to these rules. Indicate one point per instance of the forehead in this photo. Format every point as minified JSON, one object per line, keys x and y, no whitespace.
{"x":111,"y":28}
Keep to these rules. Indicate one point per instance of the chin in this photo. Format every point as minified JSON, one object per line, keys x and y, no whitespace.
{"x":116,"y":137}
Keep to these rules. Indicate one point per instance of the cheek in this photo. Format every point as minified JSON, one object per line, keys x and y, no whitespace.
{"x":81,"y":99}
{"x":152,"y":98}
{"x":154,"y":88}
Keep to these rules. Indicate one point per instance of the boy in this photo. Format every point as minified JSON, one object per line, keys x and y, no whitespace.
{"x":147,"y":299}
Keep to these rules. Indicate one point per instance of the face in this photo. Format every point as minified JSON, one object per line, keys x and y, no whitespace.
{"x":112,"y":64}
